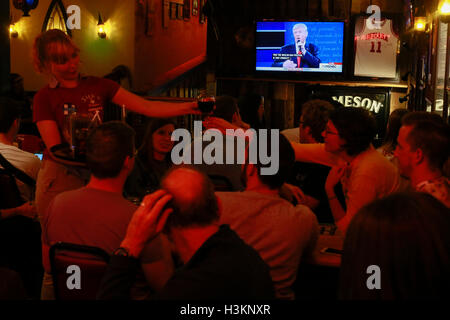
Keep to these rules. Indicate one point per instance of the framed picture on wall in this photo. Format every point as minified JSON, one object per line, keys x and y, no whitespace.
{"x":187,"y":9}
{"x":173,"y":11}
{"x":202,"y":16}
{"x":179,"y":11}
{"x":195,"y":7}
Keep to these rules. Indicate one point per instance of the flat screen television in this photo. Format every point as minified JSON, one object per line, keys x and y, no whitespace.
{"x":299,"y":47}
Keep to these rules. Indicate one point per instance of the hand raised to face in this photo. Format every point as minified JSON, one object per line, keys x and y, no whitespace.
{"x":147,"y":222}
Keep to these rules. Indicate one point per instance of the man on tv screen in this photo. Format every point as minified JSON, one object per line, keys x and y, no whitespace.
{"x":300,"y":54}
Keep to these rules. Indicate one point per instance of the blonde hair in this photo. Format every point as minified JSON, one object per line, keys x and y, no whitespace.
{"x":52,"y":46}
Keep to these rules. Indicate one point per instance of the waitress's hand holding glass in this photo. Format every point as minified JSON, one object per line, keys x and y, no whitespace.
{"x":206,"y":104}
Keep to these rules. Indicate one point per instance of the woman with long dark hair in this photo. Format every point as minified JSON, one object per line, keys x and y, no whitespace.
{"x":152,"y":160}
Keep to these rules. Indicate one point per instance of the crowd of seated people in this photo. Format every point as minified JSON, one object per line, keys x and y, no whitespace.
{"x":186,"y":241}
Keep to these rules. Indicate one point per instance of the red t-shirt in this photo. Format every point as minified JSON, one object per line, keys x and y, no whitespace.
{"x":88,"y":98}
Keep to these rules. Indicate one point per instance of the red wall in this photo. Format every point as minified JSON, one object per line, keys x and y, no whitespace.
{"x":167,"y":52}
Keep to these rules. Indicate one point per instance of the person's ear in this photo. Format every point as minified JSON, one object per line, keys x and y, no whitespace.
{"x":418,"y":156}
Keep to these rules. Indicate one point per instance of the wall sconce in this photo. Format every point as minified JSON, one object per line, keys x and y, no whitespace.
{"x":13,"y":31}
{"x":404,"y":98}
{"x":25,"y":6}
{"x":420,"y":24}
{"x":101,"y":27}
{"x":444,"y":11}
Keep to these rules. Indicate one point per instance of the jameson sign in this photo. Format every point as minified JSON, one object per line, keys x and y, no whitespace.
{"x":376,"y":100}
{"x":370,"y":104}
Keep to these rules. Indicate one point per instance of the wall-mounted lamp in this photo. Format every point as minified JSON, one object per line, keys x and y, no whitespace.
{"x":404,"y":99}
{"x":444,"y":11}
{"x":25,"y":6}
{"x":13,"y":31}
{"x":420,"y":24}
{"x":101,"y":27}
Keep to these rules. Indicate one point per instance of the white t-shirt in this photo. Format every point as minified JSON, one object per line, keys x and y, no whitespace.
{"x":25,"y":161}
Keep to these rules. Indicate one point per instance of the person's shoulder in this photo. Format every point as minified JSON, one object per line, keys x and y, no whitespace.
{"x":70,"y":194}
{"x":228,"y":239}
{"x":92,"y":79}
{"x":292,"y":134}
{"x":225,"y":194}
{"x":31,"y":158}
{"x":22,"y":154}
{"x":304,"y":213}
{"x":372,"y":158}
{"x":42,"y":92}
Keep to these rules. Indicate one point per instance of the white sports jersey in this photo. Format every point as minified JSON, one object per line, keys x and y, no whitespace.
{"x":376,"y":50}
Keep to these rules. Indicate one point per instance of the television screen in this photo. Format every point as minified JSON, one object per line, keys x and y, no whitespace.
{"x":295,"y":46}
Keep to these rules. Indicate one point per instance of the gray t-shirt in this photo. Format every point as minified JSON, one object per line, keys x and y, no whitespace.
{"x":280,"y":232}
{"x":95,"y":218}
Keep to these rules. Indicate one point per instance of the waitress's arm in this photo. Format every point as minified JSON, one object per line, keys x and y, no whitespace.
{"x":49,"y":133}
{"x":151,"y":108}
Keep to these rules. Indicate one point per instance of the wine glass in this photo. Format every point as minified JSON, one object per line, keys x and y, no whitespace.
{"x":206,"y":103}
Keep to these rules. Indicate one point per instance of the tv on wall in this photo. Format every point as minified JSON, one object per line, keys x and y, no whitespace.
{"x":299,"y":46}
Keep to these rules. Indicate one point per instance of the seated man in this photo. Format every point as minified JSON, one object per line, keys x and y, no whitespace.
{"x":226,"y":109}
{"x":97,"y":215}
{"x":364,"y":173}
{"x":20,"y":236}
{"x":423,"y":146}
{"x":280,"y":232}
{"x":22,"y":160}
{"x":218,"y":265}
{"x":311,"y":177}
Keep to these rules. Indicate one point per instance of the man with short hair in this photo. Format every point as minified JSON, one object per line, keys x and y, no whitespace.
{"x":97,"y":215}
{"x":311,"y":177}
{"x":422,"y":149}
{"x":365,"y":174}
{"x":218,"y":265}
{"x":280,"y":232}
{"x":20,"y":243}
{"x":25,"y":161}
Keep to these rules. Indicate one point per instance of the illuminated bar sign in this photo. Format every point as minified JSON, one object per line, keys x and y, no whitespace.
{"x":370,"y":104}
{"x":375,"y":100}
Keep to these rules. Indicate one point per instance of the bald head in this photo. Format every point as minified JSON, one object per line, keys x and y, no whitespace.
{"x":185,"y":185}
{"x":194,"y":201}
